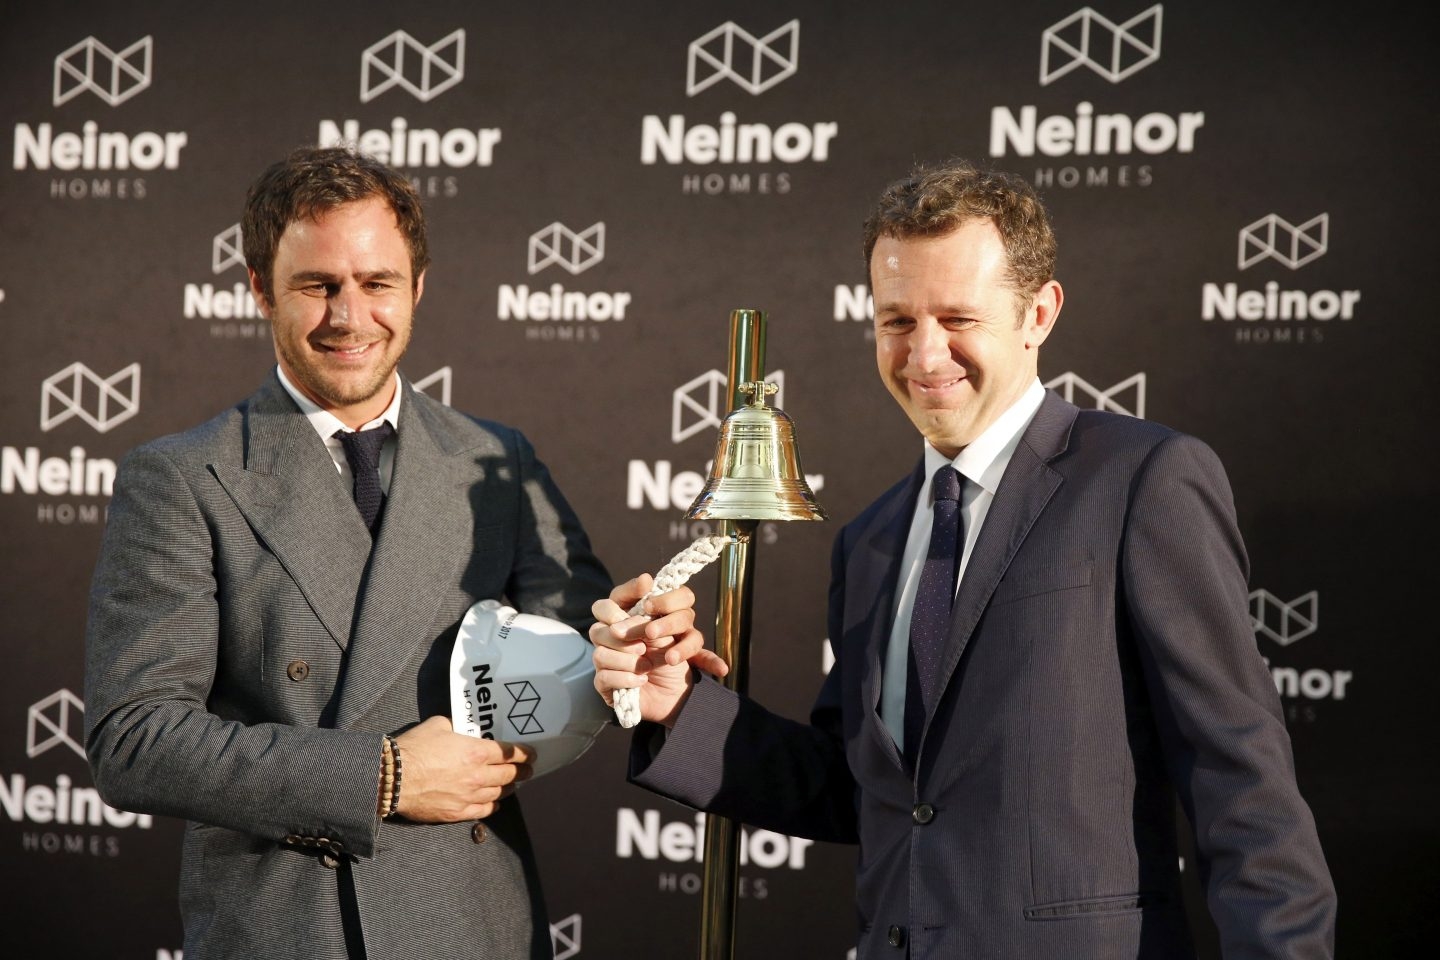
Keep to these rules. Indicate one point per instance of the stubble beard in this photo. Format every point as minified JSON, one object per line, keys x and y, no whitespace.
{"x":342,"y":391}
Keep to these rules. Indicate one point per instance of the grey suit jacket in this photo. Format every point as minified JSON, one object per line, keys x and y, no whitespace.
{"x":247,"y":648}
{"x":1100,"y":661}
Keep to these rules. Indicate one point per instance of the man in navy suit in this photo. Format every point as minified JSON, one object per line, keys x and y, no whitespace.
{"x":1041,"y":639}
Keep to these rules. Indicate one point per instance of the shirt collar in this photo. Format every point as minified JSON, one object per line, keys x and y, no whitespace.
{"x":984,"y":460}
{"x":325,"y":422}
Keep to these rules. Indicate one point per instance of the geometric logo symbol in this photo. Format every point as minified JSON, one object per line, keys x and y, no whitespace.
{"x":522,"y":711}
{"x":401,"y":61}
{"x":565,"y":937}
{"x":439,"y":381}
{"x":704,"y":402}
{"x":58,"y":719}
{"x":77,"y":392}
{"x":227,"y":251}
{"x":1086,"y":39}
{"x":754,"y":63}
{"x":1274,"y":239}
{"x":576,"y":252}
{"x":1284,"y":622}
{"x":1071,"y":387}
{"x":113,"y":77}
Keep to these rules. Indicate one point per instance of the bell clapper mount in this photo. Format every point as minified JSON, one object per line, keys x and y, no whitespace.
{"x":758,"y":390}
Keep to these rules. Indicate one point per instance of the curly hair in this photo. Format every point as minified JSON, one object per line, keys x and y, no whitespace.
{"x":933,"y":201}
{"x":313,"y":180}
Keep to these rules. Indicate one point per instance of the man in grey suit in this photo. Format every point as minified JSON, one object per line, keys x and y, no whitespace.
{"x":1041,"y":640}
{"x":276,"y":600}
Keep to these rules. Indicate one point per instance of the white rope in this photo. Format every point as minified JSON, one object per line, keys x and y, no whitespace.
{"x":681,"y":567}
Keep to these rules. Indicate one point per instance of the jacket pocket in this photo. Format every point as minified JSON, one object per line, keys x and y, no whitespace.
{"x":1030,"y":583}
{"x":1095,"y":906}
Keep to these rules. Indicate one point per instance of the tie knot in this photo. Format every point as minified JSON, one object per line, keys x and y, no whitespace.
{"x":947,"y":484}
{"x":362,"y":447}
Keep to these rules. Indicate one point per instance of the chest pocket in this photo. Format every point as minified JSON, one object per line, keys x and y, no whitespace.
{"x":1031,"y":582}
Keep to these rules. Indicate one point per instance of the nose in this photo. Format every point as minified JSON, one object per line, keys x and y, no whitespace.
{"x":341,"y":308}
{"x":929,"y":345}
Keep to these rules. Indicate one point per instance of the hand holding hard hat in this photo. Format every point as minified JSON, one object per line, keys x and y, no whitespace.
{"x":526,"y":679}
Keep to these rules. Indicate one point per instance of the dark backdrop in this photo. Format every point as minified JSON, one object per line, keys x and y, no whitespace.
{"x":1246,"y":257}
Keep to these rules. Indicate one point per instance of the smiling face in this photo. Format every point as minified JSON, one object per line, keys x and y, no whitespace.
{"x":342,"y":306}
{"x":952,"y":343}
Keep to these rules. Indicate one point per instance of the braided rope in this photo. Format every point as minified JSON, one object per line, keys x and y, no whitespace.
{"x":685,"y":564}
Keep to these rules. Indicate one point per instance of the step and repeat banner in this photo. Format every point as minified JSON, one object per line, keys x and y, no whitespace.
{"x":1244,"y":196}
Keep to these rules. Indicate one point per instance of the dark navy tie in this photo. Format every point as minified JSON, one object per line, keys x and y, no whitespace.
{"x":930,"y":618}
{"x":362,"y":449}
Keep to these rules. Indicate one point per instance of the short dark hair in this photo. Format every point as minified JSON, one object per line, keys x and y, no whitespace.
{"x":314,"y":180}
{"x":933,"y":201}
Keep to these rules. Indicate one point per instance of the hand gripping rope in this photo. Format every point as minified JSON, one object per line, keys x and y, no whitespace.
{"x":685,"y":564}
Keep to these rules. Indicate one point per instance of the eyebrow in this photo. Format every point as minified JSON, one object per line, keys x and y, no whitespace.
{"x":324,"y":277}
{"x":946,"y":310}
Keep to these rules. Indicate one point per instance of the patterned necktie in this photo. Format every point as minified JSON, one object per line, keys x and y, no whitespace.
{"x":362,"y":449}
{"x":930,"y":618}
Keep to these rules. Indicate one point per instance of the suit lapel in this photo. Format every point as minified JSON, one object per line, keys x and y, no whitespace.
{"x":425,"y":533}
{"x":1025,"y":488}
{"x":876,"y":561}
{"x":294,"y":499}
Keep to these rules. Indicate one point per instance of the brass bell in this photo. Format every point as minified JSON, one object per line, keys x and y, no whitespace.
{"x":756,"y":474}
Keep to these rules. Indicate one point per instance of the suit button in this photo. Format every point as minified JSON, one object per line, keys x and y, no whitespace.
{"x":923,"y":813}
{"x":298,"y":670}
{"x":897,"y":936}
{"x":477,"y":833}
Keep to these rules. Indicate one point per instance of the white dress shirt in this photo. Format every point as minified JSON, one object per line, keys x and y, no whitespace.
{"x":982,"y":464}
{"x":326,"y":423}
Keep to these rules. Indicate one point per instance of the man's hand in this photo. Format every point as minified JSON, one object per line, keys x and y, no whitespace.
{"x":447,"y":777}
{"x":652,"y":652}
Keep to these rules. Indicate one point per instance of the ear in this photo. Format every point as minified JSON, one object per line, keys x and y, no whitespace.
{"x":1043,"y":312}
{"x":419,"y":288}
{"x":257,"y":292}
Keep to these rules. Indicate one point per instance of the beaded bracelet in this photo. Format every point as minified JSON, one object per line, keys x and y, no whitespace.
{"x":387,"y":778}
{"x":394,"y":750}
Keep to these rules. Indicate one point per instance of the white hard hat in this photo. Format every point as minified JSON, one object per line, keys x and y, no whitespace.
{"x":525,"y":679}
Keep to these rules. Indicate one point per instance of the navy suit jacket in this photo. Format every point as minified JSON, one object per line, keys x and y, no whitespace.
{"x":1100,"y":661}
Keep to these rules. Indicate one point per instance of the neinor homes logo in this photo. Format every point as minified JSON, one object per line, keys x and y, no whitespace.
{"x":77,"y":391}
{"x":1283,"y":621}
{"x":1271,"y":238}
{"x":755,"y":64}
{"x":1086,"y":130}
{"x":234,"y":307}
{"x":1087,"y":39}
{"x":1115,"y":52}
{"x":558,"y":244}
{"x":401,"y":61}
{"x":56,"y":721}
{"x":112,"y":76}
{"x":702,"y":403}
{"x":576,"y":310}
{"x":227,"y":250}
{"x":424,"y":72}
{"x":91,"y":67}
{"x":1076,"y":390}
{"x":522,"y":711}
{"x":565,"y":937}
{"x":1293,"y":246}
